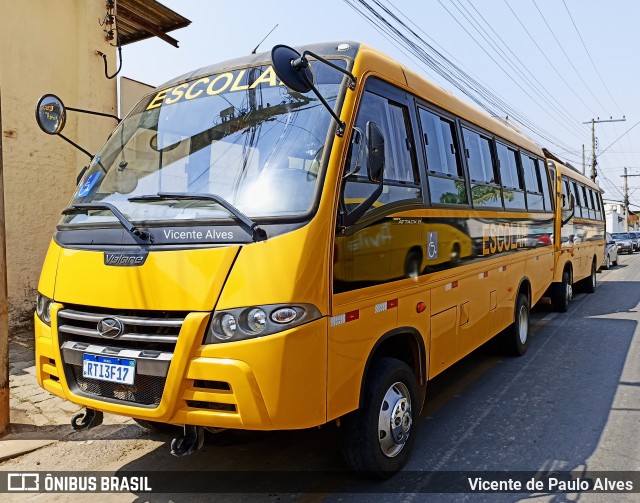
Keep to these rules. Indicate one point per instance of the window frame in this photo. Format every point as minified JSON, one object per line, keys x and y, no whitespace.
{"x":423,"y":160}
{"x":404,"y":99}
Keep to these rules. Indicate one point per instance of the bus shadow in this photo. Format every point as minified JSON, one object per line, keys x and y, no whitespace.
{"x":544,"y":412}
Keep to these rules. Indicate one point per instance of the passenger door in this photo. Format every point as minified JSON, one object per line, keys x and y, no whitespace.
{"x":382,"y":247}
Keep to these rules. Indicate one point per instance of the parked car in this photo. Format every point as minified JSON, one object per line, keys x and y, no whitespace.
{"x":623,"y":242}
{"x":635,"y":240}
{"x":610,"y":253}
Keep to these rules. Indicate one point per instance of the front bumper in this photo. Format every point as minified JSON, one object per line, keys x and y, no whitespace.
{"x":273,"y":382}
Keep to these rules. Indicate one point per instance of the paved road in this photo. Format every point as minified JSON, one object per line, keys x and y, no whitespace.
{"x":571,"y":403}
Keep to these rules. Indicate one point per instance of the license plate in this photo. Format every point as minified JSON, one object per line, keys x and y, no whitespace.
{"x":105,"y":368}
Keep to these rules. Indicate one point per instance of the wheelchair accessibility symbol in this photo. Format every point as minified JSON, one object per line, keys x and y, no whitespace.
{"x":432,"y":245}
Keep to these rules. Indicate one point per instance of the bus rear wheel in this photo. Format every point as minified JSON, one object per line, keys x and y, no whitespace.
{"x":377,"y":438}
{"x":515,"y":338}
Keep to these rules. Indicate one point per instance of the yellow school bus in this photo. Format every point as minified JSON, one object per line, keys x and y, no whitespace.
{"x":290,"y":239}
{"x":580,"y":231}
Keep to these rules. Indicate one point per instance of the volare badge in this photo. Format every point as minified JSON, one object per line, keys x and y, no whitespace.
{"x":125,"y":259}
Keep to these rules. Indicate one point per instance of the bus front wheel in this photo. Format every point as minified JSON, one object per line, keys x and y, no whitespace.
{"x":562,"y":293}
{"x":589,"y":283}
{"x":377,"y":438}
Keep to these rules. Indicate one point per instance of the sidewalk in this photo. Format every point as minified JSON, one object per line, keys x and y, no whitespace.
{"x":38,"y":418}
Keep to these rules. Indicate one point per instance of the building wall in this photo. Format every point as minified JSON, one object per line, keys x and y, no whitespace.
{"x":131,"y":91}
{"x":614,"y":217}
{"x":47,"y":47}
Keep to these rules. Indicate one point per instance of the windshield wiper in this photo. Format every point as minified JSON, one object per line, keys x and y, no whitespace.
{"x":86,"y":207}
{"x":257,"y":233}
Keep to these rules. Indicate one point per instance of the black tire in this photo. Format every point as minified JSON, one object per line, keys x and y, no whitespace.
{"x":157,"y":427}
{"x":588,"y":285}
{"x":391,"y":390}
{"x":607,"y":262}
{"x":515,"y":338}
{"x":615,"y":262}
{"x":562,"y":293}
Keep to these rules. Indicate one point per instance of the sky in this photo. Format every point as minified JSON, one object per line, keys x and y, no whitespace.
{"x":555,"y":75}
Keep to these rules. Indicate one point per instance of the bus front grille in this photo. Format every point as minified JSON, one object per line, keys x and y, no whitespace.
{"x":147,"y":390}
{"x":148,"y":337}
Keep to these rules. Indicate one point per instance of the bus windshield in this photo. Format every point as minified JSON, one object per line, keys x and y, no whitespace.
{"x":239,"y":135}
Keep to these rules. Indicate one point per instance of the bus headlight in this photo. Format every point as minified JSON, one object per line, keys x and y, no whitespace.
{"x":228,"y":327}
{"x":237,"y":324}
{"x":43,"y":308}
{"x":257,"y":320}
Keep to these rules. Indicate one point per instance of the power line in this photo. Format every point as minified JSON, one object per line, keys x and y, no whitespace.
{"x":584,"y":45}
{"x":548,"y":60}
{"x":444,"y":67}
{"x":590,"y":58}
{"x":483,"y":33}
{"x":567,"y":56}
{"x":531,"y":74}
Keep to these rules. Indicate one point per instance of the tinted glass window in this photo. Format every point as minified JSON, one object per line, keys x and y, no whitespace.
{"x":532,"y":183}
{"x":566,"y":196}
{"x":510,"y":176}
{"x":576,"y":194}
{"x":479,"y":157}
{"x":544,"y":183}
{"x":446,"y":176}
{"x":507,"y":158}
{"x":401,"y":179}
{"x":530,"y":175}
{"x":440,"y":145}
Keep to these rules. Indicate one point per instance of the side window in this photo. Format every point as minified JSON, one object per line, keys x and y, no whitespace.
{"x":482,"y":174}
{"x":587,"y":202}
{"x":479,"y":158}
{"x":446,"y":176}
{"x":553,"y":180}
{"x":532,"y":183}
{"x":576,"y":194}
{"x":544,"y":183}
{"x":512,"y":188}
{"x":401,"y":178}
{"x":566,"y":196}
{"x":596,"y":198}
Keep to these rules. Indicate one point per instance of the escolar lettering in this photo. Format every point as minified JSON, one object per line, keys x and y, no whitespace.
{"x":211,"y":86}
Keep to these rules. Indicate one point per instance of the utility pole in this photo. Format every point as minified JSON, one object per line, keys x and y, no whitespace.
{"x":593,"y":123}
{"x":584,"y":162}
{"x":626,"y":199}
{"x":4,"y":323}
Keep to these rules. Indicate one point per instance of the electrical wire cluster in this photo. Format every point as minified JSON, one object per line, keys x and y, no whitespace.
{"x":402,"y":31}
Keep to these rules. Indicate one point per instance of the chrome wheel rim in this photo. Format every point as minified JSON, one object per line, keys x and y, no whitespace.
{"x":569,"y":292}
{"x":523,"y":324}
{"x":394,"y":420}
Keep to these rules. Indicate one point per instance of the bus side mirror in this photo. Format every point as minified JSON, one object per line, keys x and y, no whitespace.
{"x":375,"y":152}
{"x":51,"y":114}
